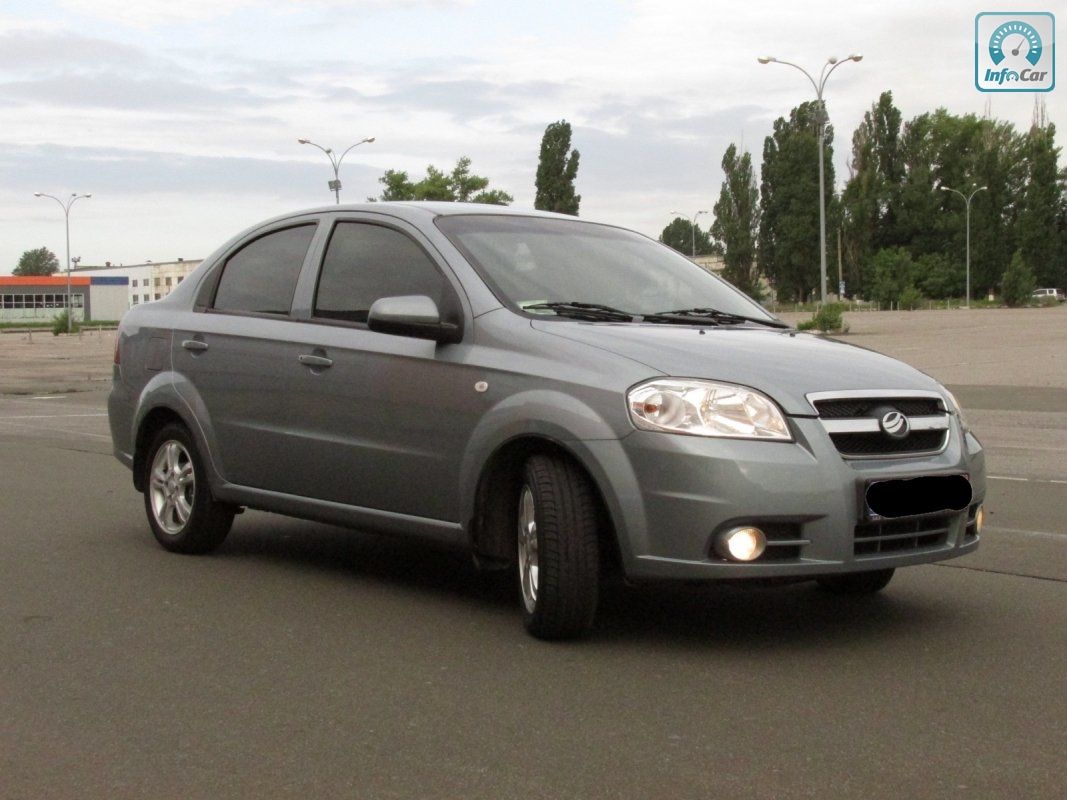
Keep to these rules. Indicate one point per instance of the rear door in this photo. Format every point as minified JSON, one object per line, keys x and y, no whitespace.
{"x":236,"y":358}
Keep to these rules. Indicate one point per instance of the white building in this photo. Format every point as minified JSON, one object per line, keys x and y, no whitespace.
{"x":148,"y":281}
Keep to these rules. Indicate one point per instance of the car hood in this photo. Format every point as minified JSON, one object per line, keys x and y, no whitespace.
{"x":784,"y":364}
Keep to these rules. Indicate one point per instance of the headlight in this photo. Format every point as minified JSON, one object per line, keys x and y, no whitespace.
{"x":705,"y":408}
{"x":954,"y":406}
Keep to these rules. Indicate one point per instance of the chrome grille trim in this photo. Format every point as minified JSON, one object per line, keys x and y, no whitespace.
{"x":870,"y":424}
{"x":846,"y":432}
{"x":874,"y":394}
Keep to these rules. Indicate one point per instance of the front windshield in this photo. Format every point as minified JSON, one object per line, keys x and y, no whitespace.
{"x":533,"y":260}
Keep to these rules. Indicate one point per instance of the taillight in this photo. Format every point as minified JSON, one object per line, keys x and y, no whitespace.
{"x":118,"y":352}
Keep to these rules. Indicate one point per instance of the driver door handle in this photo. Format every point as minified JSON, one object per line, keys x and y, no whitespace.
{"x":309,"y":360}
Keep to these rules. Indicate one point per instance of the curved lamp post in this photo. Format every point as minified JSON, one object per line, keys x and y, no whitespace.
{"x":967,"y":200}
{"x":66,"y":215}
{"x":692,"y":226}
{"x":335,"y":161}
{"x":831,"y":64}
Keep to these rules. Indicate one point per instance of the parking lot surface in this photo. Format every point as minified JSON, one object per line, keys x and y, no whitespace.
{"x":307,"y":660}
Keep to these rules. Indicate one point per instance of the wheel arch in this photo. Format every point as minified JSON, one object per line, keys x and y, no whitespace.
{"x":163,"y":402}
{"x":151,"y":424}
{"x":493,"y":514}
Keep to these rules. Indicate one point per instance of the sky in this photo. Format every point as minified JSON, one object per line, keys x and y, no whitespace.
{"x":181,"y":117}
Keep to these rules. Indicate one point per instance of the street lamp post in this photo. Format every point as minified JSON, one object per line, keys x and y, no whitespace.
{"x":335,"y":161}
{"x":967,"y":199}
{"x":66,"y":215}
{"x":692,"y":227}
{"x":833,"y":63}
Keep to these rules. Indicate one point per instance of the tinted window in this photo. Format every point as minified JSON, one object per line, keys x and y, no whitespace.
{"x":364,"y":262}
{"x":261,"y":276}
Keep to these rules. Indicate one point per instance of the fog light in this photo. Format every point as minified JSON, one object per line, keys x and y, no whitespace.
{"x":979,"y":519}
{"x":741,"y":544}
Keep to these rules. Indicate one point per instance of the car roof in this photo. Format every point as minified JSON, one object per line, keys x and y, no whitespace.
{"x":413,"y":209}
{"x":409,"y":210}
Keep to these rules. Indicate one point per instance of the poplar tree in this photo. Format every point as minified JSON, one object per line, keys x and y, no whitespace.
{"x":556,"y":170}
{"x":789,"y":198}
{"x":736,"y":223}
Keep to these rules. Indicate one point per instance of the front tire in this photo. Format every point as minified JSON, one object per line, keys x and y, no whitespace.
{"x":183,"y":514}
{"x":558,"y":554}
{"x":857,"y":583}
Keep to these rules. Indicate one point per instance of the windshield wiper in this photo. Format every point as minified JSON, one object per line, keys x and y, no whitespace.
{"x":713,"y":316}
{"x":593,"y":312}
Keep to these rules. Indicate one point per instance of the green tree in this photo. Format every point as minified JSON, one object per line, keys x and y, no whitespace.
{"x":1017,"y":282}
{"x":892,"y":275}
{"x":457,"y":186}
{"x":961,"y":152}
{"x":736,"y":223}
{"x":556,"y":170}
{"x":397,"y":186}
{"x":872,"y":195}
{"x":789,"y":199}
{"x":680,"y":234}
{"x":41,"y":261}
{"x":1040,"y":239}
{"x":937,"y":276}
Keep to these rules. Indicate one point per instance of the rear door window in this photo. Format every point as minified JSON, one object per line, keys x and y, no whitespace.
{"x":261,"y":277}
{"x":365,"y":262}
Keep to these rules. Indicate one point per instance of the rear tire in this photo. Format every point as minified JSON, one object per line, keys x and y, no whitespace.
{"x":857,"y":583}
{"x":183,"y":514}
{"x":558,"y":555}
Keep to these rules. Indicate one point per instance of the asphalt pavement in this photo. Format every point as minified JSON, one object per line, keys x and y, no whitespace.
{"x":303,"y":660}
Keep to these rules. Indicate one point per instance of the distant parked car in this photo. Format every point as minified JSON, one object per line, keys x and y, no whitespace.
{"x":1043,"y":294}
{"x":557,"y":397}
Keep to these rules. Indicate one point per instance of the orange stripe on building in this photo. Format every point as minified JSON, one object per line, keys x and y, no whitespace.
{"x":41,"y":280}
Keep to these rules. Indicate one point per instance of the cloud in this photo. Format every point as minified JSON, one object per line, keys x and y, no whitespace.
{"x":43,"y":52}
{"x":118,"y":92}
{"x":462,"y":99}
{"x":156,"y":13}
{"x":123,"y":171}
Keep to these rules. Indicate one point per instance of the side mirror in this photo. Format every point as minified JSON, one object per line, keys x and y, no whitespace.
{"x":411,"y":315}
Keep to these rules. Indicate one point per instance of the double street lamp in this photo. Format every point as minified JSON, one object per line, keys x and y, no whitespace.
{"x":335,"y":161}
{"x":65,"y":205}
{"x":831,"y":64}
{"x":967,"y":200}
{"x":692,"y":227}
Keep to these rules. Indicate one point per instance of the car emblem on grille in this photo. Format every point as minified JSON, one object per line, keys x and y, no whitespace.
{"x":894,"y":425}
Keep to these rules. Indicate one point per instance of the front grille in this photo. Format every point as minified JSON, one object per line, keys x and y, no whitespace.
{"x":878,"y":537}
{"x":853,"y":421}
{"x":852,"y":408}
{"x":869,"y":444}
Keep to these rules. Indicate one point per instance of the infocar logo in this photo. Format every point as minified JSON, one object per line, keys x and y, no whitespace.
{"x":1015,"y":52}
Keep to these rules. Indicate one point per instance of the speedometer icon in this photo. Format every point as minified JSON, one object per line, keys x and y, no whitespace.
{"x":1015,"y":38}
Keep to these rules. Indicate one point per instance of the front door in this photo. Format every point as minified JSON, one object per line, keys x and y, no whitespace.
{"x":384,"y":420}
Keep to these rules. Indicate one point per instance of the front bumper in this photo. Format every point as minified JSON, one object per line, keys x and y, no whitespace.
{"x":671,"y":494}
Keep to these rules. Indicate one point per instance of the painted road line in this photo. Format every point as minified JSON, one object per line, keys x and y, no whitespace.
{"x":1024,"y":532}
{"x":45,"y":433}
{"x":1026,"y":447}
{"x":51,"y":416}
{"x":1025,"y":480}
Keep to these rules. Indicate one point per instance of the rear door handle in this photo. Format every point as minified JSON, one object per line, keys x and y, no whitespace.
{"x":194,"y":345}
{"x":309,"y":360}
